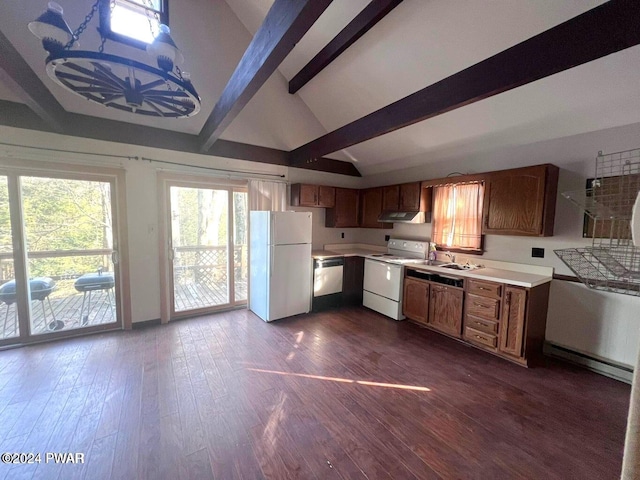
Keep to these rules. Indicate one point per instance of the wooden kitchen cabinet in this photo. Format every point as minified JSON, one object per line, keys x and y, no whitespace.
{"x":390,"y":198}
{"x":513,"y":321}
{"x":521,"y":201}
{"x":346,"y":210}
{"x":305,"y":195}
{"x":415,"y":304}
{"x":482,"y":313}
{"x":506,"y":320}
{"x":352,"y":280}
{"x":371,"y":208}
{"x":445,"y":309}
{"x":410,"y":197}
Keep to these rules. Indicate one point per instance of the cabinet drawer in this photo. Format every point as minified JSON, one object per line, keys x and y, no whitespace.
{"x":487,"y":326}
{"x":476,"y":336}
{"x":484,"y":289}
{"x":483,"y":307}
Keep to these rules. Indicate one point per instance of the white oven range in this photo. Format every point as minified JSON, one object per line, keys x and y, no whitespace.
{"x":384,"y":275}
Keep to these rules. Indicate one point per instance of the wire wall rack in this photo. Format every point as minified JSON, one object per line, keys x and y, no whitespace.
{"x":612,"y":262}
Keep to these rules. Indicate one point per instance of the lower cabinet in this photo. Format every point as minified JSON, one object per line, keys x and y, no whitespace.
{"x":352,"y":280}
{"x":445,"y":309}
{"x":506,"y":320}
{"x":513,"y":318}
{"x":416,"y":300}
{"x":434,"y":305}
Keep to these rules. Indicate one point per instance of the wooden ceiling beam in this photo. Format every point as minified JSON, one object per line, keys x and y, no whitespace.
{"x":606,"y":29}
{"x":18,"y":77}
{"x":285,"y":24}
{"x":18,"y":115}
{"x":361,"y":24}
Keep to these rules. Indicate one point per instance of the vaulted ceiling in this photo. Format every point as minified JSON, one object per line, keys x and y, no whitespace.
{"x":416,"y":44}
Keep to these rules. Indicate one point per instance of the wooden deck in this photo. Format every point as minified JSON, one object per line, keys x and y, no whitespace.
{"x":67,"y":308}
{"x":197,"y":295}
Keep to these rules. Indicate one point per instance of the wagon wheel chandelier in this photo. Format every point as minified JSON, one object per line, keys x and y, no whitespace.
{"x":114,"y":81}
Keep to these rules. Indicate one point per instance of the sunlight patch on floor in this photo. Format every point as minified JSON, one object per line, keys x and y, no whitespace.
{"x":344,"y":380}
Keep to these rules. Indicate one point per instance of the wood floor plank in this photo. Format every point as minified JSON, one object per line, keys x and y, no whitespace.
{"x":339,"y":394}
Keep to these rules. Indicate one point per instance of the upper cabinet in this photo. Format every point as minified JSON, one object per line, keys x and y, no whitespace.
{"x":304,"y":195}
{"x":390,"y":198}
{"x":371,"y":207}
{"x":345,"y":212}
{"x":403,"y":198}
{"x":521,"y":201}
{"x":410,"y":198}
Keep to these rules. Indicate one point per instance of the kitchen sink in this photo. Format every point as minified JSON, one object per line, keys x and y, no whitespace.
{"x":454,"y":266}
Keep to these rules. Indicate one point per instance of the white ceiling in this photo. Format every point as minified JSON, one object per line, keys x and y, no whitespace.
{"x":417,"y":44}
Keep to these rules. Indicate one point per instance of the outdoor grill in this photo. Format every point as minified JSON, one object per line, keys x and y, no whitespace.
{"x":39,"y":288}
{"x":89,"y":282}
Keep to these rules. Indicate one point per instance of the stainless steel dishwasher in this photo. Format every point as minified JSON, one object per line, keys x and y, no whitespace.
{"x":327,"y":282}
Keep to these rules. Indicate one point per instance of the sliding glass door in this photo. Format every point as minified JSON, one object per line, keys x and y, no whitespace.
{"x":208,"y":247}
{"x":8,"y":307}
{"x":58,"y":264}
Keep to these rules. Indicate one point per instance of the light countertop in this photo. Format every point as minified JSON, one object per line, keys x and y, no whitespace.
{"x":492,"y":273}
{"x":521,"y":279}
{"x":347,"y":250}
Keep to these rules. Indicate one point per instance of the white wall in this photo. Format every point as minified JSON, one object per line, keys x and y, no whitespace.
{"x":598,"y":323}
{"x":142,"y":198}
{"x":601,"y":324}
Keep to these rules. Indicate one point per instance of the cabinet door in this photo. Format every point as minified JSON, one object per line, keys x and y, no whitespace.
{"x":345,"y":212}
{"x":445,"y":309}
{"x":410,"y":197}
{"x":308,"y":195}
{"x":303,"y":195}
{"x":512,"y":322}
{"x":521,"y":201}
{"x":326,"y":196}
{"x":352,"y":280}
{"x":415,"y":304}
{"x":390,"y":198}
{"x":371,"y":206}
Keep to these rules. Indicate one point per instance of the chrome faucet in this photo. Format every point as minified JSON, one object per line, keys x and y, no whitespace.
{"x":451,"y":256}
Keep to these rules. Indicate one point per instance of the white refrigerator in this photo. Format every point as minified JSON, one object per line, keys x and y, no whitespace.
{"x":280,"y":264}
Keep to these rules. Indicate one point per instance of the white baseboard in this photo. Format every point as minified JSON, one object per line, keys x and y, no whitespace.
{"x":608,"y":368}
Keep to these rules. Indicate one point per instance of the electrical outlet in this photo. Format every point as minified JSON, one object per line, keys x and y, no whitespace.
{"x":537,"y":252}
{"x":387,"y":238}
{"x":342,"y":234}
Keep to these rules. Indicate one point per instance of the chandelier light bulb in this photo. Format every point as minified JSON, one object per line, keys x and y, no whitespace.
{"x":164,"y":50}
{"x":52,"y":29}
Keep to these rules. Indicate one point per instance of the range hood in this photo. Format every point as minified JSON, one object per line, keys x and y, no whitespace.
{"x":401,"y":217}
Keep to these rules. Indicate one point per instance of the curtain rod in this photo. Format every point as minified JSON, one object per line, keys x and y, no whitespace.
{"x":446,"y":184}
{"x":48,"y":149}
{"x":244,"y":172}
{"x":135,"y":157}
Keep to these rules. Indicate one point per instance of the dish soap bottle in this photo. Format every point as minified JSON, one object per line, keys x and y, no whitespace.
{"x":432,"y":252}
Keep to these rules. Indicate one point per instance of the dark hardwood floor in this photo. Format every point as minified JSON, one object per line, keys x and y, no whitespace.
{"x":346,"y":394}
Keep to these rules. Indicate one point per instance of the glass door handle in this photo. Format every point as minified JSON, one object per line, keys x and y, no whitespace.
{"x":114,"y":257}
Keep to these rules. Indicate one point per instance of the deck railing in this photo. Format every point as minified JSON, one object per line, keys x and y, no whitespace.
{"x":208,"y":264}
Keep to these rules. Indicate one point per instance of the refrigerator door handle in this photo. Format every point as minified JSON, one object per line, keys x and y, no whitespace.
{"x":272,"y":229}
{"x":273,"y":251}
